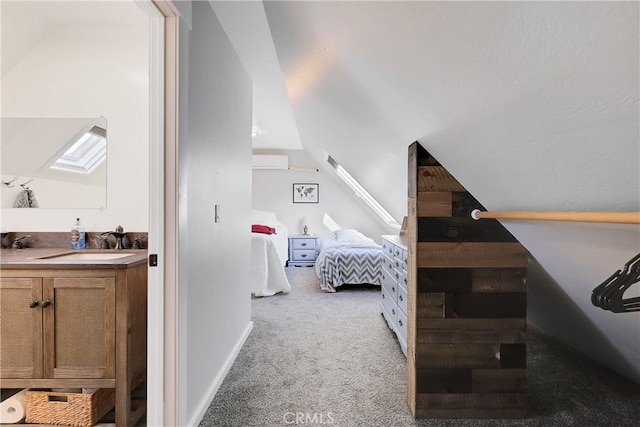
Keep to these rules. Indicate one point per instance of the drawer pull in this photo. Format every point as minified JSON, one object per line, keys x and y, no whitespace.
{"x":397,"y":264}
{"x":400,"y":297}
{"x":405,"y":280}
{"x":303,"y":255}
{"x":45,"y":304}
{"x":382,"y":296}
{"x":393,"y":289}
{"x":303,"y":244}
{"x":400,"y":322}
{"x":397,"y":276}
{"x":33,"y":304}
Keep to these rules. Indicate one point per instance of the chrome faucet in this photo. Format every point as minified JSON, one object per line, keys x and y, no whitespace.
{"x":17,"y":243}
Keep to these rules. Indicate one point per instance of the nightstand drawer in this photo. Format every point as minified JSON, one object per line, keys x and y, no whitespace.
{"x":304,"y":243}
{"x":304,"y":255}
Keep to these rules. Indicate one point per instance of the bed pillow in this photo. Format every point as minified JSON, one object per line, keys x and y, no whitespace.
{"x":264,"y":218}
{"x":349,"y":236}
{"x":264,"y":229}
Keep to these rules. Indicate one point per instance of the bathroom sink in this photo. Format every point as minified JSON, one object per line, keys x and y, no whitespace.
{"x":89,"y":256}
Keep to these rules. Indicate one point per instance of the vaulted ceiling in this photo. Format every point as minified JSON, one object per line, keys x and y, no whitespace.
{"x":531,"y":106}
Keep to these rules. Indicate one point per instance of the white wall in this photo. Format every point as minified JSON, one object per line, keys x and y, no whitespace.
{"x":273,"y":191}
{"x":90,"y":72}
{"x":214,"y":168}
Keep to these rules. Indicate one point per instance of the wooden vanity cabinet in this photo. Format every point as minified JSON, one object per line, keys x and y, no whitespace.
{"x":71,"y":336}
{"x":88,"y":330}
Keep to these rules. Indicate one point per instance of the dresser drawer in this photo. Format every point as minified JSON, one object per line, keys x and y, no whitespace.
{"x":401,"y":330}
{"x":390,"y":285}
{"x":389,"y":305}
{"x":304,"y":255}
{"x":387,"y":263}
{"x":299,"y":243}
{"x":402,"y":298}
{"x":387,"y":248}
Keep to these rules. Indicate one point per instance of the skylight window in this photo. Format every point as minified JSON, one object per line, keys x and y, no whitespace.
{"x":363,"y":194}
{"x":85,"y":154}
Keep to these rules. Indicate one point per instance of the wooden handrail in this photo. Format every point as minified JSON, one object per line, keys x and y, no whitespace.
{"x":606,"y":217}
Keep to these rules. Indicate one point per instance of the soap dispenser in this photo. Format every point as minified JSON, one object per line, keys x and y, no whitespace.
{"x":77,"y":235}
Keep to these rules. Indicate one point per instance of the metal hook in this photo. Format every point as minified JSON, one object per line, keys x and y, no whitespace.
{"x":24,"y":184}
{"x":8,"y":183}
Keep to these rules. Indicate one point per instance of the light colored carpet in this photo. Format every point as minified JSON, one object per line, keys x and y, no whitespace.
{"x":330,"y":359}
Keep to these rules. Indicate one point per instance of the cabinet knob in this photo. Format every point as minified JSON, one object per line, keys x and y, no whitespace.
{"x":46,"y":303}
{"x":33,"y":304}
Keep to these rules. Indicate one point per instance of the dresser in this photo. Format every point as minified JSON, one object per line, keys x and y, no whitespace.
{"x":303,"y":250}
{"x":394,"y":286}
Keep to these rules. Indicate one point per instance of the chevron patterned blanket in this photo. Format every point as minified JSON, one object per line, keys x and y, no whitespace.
{"x":342,"y":263}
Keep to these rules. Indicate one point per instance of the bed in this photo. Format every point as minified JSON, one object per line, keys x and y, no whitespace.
{"x":348,"y":257}
{"x":269,"y":253}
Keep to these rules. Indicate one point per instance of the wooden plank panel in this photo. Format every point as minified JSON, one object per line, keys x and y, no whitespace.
{"x":444,"y":381}
{"x":472,"y":324}
{"x":412,"y":170}
{"x":487,"y":305}
{"x":426,"y":336}
{"x":495,"y":405}
{"x":499,"y":380}
{"x":445,"y":280}
{"x":470,"y":254}
{"x":425,"y":158}
{"x":463,"y":203}
{"x":461,"y":229}
{"x":434,"y":204}
{"x":513,"y":356}
{"x":499,"y":280}
{"x":437,"y":178}
{"x":458,"y":356}
{"x":481,"y":280}
{"x":430,"y":305}
{"x":412,"y":312}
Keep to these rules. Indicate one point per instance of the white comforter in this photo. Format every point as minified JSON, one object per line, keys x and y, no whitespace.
{"x":268,"y":257}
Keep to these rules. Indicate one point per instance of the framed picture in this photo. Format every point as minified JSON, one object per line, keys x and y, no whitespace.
{"x":305,"y":193}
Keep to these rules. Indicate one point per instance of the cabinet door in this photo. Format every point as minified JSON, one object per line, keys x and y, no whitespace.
{"x":79,"y":327}
{"x":20,"y":328}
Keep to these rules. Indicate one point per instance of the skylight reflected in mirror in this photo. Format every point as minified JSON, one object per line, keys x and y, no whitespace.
{"x":85,"y":154}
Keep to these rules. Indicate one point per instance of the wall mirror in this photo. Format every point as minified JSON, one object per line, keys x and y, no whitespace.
{"x":53,"y":163}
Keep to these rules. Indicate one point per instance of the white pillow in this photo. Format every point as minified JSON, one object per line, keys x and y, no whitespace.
{"x":349,"y":236}
{"x":264,"y":218}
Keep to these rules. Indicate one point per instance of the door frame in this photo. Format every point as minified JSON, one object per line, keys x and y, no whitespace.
{"x":162,"y":349}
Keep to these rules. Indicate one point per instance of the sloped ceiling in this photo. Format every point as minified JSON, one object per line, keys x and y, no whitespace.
{"x":531,"y":105}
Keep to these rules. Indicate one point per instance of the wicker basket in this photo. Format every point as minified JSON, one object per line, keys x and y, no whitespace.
{"x":72,"y":409}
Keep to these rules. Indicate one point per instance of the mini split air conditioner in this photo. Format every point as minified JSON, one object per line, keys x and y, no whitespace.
{"x":270,"y":161}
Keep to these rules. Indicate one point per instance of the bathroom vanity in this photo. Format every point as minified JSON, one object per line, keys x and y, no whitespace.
{"x":75,"y":319}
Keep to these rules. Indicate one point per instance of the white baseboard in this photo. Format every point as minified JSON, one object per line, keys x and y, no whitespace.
{"x":217,"y":382}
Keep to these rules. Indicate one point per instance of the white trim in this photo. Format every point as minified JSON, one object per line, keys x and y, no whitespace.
{"x":155,"y":292}
{"x":170,"y":408}
{"x":217,"y":382}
